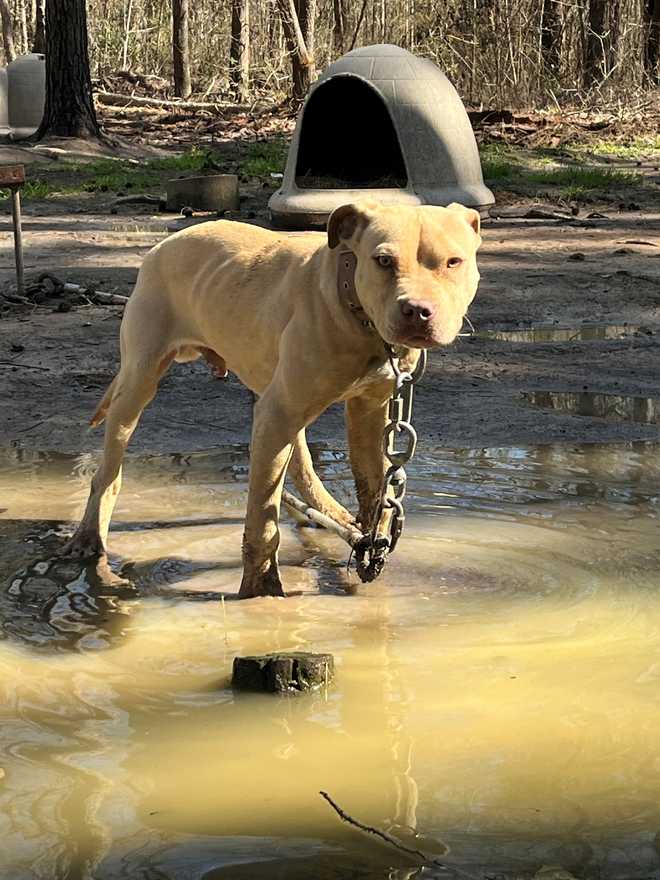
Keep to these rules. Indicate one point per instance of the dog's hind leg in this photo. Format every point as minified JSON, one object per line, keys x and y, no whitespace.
{"x":310,"y":486}
{"x":133,"y":388}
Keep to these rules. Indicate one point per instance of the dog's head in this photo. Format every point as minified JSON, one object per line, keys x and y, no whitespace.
{"x":416,"y":269}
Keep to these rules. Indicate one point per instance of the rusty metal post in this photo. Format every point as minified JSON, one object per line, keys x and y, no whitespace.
{"x":18,"y":238}
{"x":12,"y":177}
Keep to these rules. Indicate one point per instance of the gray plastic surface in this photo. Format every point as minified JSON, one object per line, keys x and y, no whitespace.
{"x":433,"y":129}
{"x":22,"y":96}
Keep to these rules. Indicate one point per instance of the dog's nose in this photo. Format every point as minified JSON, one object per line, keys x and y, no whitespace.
{"x":417,"y":310}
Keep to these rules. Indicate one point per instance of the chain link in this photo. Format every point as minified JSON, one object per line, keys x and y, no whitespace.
{"x":389,"y":517}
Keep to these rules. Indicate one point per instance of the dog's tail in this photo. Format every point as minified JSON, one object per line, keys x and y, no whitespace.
{"x":102,"y":408}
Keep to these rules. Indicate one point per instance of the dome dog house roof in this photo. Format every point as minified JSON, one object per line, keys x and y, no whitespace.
{"x":381,"y":122}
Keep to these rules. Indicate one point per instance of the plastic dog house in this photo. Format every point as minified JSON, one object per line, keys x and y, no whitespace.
{"x":381,"y":122}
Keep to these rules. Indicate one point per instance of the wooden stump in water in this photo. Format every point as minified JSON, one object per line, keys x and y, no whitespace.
{"x":282,"y":673}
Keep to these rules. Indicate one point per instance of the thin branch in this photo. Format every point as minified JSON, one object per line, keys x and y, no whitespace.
{"x":392,"y":841}
{"x":382,"y":834}
{"x":358,"y":25}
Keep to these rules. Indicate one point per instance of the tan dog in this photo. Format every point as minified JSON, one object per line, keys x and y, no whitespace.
{"x":279,"y":310}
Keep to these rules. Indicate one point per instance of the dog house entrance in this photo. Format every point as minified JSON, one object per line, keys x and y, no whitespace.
{"x":347,"y":139}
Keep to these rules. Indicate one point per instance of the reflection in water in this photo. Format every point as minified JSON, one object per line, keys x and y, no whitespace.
{"x":496,"y":696}
{"x":586,"y":333}
{"x":615,"y":407}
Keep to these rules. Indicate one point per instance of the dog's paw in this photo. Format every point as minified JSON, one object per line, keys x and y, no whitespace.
{"x":85,"y":544}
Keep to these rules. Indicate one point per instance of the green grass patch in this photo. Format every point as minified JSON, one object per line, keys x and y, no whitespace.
{"x":113,"y":175}
{"x":264,"y":158}
{"x":587,"y":178}
{"x":36,"y":189}
{"x":33,"y":189}
{"x":498,"y":169}
{"x":515,"y":167}
{"x":119,"y":176}
{"x":637,"y":148}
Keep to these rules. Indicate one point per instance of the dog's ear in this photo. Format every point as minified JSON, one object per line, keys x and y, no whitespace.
{"x":471,"y":216}
{"x":344,"y":222}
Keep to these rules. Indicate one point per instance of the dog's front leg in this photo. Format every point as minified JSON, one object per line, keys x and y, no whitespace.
{"x":274,"y":429}
{"x":366,"y":417}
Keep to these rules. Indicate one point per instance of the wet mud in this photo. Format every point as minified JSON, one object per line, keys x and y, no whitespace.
{"x":543,"y":322}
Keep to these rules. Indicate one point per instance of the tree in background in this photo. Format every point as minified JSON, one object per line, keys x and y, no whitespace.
{"x":239,"y":49}
{"x":298,"y":25}
{"x":652,"y":54}
{"x":340,"y":14}
{"x":69,"y":110}
{"x":7,"y":31}
{"x":39,"y":39}
{"x":499,"y":53}
{"x":20,"y":27}
{"x":596,"y":43}
{"x":551,"y":35}
{"x":180,"y":49}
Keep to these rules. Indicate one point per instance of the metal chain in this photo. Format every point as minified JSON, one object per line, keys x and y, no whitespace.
{"x":389,"y":517}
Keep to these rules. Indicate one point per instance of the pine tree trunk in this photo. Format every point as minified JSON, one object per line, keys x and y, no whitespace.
{"x":298,"y":25}
{"x":594,"y":49}
{"x":69,"y":110}
{"x":39,"y":42}
{"x":239,"y":49}
{"x":7,"y":32}
{"x":180,"y":49}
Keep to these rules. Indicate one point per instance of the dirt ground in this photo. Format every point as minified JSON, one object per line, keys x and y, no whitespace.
{"x":54,"y":365}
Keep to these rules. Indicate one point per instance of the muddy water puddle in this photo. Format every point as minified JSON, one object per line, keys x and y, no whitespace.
{"x":552,"y":333}
{"x":497,"y":701}
{"x":614,"y":407}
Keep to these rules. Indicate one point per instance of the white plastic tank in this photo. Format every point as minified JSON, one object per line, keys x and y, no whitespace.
{"x":27,"y":94}
{"x":4,"y":102}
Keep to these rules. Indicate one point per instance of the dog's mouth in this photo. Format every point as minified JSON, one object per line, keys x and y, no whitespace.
{"x":420,"y":341}
{"x":425,"y":338}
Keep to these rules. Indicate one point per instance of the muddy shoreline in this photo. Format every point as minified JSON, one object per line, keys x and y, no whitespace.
{"x":55,"y":366}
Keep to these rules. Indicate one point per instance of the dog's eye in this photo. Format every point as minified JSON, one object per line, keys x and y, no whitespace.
{"x":385,"y":261}
{"x":453,"y":262}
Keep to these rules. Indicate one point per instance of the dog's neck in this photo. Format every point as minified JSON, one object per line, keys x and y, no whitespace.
{"x":346,"y":266}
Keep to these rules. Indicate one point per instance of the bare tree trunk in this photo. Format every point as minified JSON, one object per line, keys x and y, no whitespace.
{"x":69,"y":110}
{"x":180,"y":49}
{"x":239,"y":49}
{"x":298,"y":25}
{"x":39,"y":42}
{"x":551,"y":35}
{"x":128,"y":13}
{"x":614,"y":23}
{"x":21,"y":15}
{"x":338,"y":26}
{"x":652,"y":54}
{"x":595,"y":51}
{"x":7,"y":31}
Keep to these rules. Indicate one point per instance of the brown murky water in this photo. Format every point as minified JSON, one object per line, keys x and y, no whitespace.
{"x":614,"y":407}
{"x":497,"y":701}
{"x":552,"y":333}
